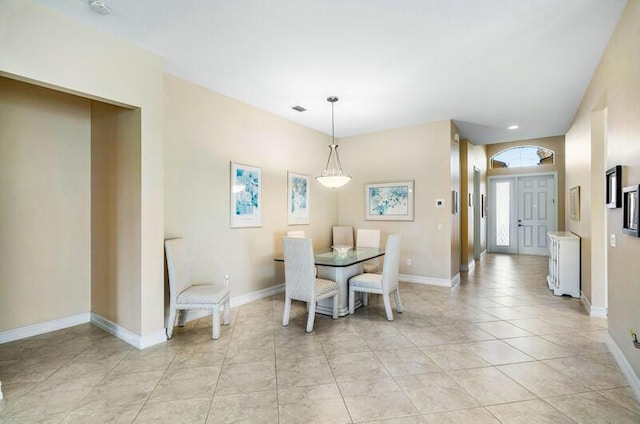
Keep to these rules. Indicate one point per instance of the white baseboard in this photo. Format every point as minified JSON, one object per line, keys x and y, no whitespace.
{"x":126,"y":335}
{"x":625,"y":366}
{"x":117,"y":330}
{"x":483,"y":254}
{"x":468,"y":267}
{"x":43,"y":327}
{"x":594,"y":311}
{"x":430,"y":281}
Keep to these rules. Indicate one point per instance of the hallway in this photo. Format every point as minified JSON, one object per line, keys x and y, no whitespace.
{"x":498,"y":348}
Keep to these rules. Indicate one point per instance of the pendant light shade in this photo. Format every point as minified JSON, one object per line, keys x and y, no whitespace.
{"x":333,"y":176}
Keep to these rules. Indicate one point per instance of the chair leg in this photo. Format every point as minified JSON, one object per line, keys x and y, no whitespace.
{"x":287,"y":310}
{"x":182,"y":318}
{"x":352,"y":309}
{"x":365,"y":299}
{"x":227,"y":311}
{"x":335,"y":306}
{"x":398,"y":303}
{"x":387,"y":306}
{"x":216,"y":322}
{"x":172,"y":322}
{"x":312,"y":316}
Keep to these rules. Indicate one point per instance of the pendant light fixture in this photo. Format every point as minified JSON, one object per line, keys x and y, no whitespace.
{"x":333,"y":176}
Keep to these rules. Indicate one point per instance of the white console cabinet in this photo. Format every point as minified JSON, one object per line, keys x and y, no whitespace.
{"x":564,"y":263}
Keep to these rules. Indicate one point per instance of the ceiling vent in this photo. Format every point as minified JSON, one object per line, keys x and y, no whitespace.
{"x":298,"y":108}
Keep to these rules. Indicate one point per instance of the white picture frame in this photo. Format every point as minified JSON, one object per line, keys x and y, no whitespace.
{"x":245,"y":205}
{"x":389,"y":201}
{"x":298,"y":199}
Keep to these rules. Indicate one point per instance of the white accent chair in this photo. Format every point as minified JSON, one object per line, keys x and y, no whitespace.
{"x":184,"y":296}
{"x":296,"y":234}
{"x":301,"y":282}
{"x":342,"y":236}
{"x":384,"y":283}
{"x":369,"y":238}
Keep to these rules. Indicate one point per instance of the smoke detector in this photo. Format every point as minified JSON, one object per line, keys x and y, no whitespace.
{"x":100,"y":7}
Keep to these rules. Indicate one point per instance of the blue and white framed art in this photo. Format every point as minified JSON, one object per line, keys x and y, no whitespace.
{"x":246,"y":196}
{"x":298,"y":199}
{"x":389,"y":201}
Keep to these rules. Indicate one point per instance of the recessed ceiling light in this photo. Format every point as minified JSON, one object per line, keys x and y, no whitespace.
{"x":513,"y":127}
{"x":298,"y":108}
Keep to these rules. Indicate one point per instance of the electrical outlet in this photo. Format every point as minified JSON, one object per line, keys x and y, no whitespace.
{"x":440,"y":227}
{"x":409,"y":262}
{"x":612,"y":240}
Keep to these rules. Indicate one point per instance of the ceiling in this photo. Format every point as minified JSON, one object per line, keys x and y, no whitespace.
{"x":485,"y":64}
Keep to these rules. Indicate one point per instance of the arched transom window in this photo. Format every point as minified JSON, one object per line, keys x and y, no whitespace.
{"x":521,"y":156}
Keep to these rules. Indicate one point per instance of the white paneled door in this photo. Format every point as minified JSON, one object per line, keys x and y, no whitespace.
{"x":536,"y":213}
{"x":522,"y":210}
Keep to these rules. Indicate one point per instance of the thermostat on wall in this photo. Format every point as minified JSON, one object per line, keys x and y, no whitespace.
{"x":439,"y":203}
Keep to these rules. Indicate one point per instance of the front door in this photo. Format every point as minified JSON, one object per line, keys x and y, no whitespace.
{"x":522,"y":211}
{"x":536,"y":213}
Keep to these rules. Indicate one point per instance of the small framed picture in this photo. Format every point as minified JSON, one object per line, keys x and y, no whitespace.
{"x":454,"y":202}
{"x":245,"y":196}
{"x":389,"y":201}
{"x":297,"y":199}
{"x":630,"y":210}
{"x":574,"y":203}
{"x":613,"y":197}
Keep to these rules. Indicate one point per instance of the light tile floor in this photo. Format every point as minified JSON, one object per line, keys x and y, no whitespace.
{"x":499,"y":348}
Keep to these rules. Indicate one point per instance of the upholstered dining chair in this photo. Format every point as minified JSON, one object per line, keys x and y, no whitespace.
{"x":301,"y":282}
{"x":184,"y":296}
{"x":369,"y":238}
{"x":384,"y":283}
{"x":342,"y":236}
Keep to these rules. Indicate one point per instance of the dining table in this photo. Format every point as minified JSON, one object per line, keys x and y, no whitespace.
{"x":339,"y":267}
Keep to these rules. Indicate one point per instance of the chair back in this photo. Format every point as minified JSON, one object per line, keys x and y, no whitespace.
{"x":368,"y":238}
{"x":299,"y":268}
{"x":391,"y":267}
{"x":296,"y":234}
{"x":178,"y":265}
{"x":342,"y":236}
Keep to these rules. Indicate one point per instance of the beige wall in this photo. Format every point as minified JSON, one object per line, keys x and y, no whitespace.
{"x":420,"y":153}
{"x":46,"y":48}
{"x":115,"y":214}
{"x":204,"y":131}
{"x":471,"y":157}
{"x":44,"y":205}
{"x":456,"y":218}
{"x":557,"y":144}
{"x":615,"y":88}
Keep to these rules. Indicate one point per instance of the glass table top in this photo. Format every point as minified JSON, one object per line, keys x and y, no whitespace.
{"x":328,"y":257}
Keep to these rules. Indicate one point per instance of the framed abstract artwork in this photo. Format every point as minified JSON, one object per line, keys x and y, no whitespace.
{"x":389,"y":201}
{"x":246,"y":196}
{"x":613,"y":183}
{"x":574,"y":203}
{"x":630,"y":210}
{"x":298,"y":199}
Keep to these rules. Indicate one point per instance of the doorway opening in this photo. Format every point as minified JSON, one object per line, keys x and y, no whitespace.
{"x":523,"y":210}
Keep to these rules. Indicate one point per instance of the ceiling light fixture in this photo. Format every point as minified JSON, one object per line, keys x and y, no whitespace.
{"x":100,"y":7}
{"x":513,"y":127}
{"x":333,"y":176}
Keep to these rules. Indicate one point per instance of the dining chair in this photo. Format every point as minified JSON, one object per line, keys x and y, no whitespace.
{"x":296,"y":234}
{"x":342,"y":236}
{"x":186,"y":296}
{"x":301,"y":282}
{"x":369,"y":238}
{"x":384,"y":283}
